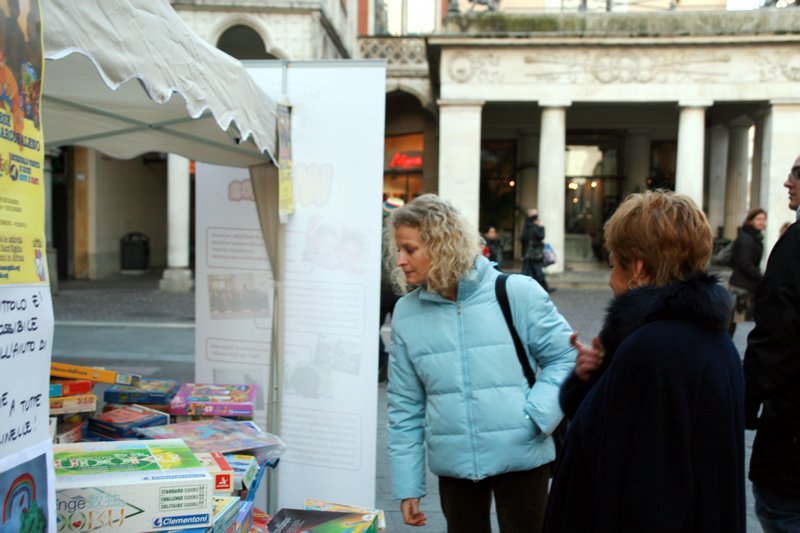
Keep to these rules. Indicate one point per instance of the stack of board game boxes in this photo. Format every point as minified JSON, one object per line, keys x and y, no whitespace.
{"x":164,"y":456}
{"x":112,"y":476}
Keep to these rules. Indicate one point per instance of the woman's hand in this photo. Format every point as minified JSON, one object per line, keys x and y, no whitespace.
{"x":411,"y":513}
{"x":589,"y":357}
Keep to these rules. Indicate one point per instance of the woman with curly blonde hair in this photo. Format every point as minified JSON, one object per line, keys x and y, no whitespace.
{"x":456,"y":388}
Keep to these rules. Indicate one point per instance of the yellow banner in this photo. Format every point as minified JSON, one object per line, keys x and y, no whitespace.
{"x":23,"y":257}
{"x":285,"y":196}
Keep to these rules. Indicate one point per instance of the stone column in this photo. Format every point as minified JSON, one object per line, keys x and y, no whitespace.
{"x":736,"y":176}
{"x":717,"y":171}
{"x":460,"y":155}
{"x":552,"y":165}
{"x":637,"y":162}
{"x":177,"y":276}
{"x":691,"y":154}
{"x":779,"y":152}
{"x":528,"y":164}
{"x":755,"y":163}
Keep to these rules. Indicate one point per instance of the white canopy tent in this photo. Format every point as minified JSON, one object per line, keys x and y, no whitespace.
{"x":126,"y":77}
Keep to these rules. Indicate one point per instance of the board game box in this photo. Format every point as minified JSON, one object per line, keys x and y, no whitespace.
{"x":323,"y":505}
{"x":69,"y":387}
{"x":220,"y":435}
{"x":308,"y":521}
{"x":79,"y":403}
{"x":219,"y":468}
{"x":123,"y":421}
{"x":159,"y":391}
{"x":131,"y":486}
{"x":214,"y":400}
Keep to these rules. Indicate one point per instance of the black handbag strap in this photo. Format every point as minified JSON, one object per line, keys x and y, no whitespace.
{"x":502,"y":298}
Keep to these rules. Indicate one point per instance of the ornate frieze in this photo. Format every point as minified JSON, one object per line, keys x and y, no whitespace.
{"x":624,"y":65}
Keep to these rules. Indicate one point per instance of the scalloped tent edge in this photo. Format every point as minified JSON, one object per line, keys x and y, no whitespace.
{"x":191,"y":99}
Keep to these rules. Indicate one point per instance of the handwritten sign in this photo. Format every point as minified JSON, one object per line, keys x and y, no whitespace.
{"x":26,"y":333}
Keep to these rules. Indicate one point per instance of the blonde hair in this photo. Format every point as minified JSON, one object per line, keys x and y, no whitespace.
{"x":452,"y":243}
{"x":666,"y":231}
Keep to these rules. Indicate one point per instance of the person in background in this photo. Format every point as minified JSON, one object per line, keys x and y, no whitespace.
{"x":656,"y":438}
{"x":457,"y":392}
{"x":532,"y":240}
{"x":772,"y":380}
{"x":748,"y":248}
{"x":493,"y":250}
{"x":388,"y":296}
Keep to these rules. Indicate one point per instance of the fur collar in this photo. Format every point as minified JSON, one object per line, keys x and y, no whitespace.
{"x":698,"y":299}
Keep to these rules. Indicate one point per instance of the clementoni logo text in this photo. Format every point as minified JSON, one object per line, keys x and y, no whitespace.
{"x":186,"y":520}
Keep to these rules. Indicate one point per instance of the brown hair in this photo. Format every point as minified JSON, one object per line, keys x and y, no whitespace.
{"x":666,"y":231}
{"x":753,"y":213}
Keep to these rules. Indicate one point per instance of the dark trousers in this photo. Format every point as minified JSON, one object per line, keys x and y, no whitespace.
{"x":520,"y":499}
{"x":388,"y":301}
{"x":534,"y":269}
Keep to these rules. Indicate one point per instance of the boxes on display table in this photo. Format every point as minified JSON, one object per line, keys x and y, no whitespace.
{"x":245,"y":468}
{"x":157,"y":391}
{"x":69,"y":387}
{"x":308,"y":521}
{"x":131,"y":486}
{"x":323,"y":505}
{"x":220,"y":470}
{"x":214,"y":400}
{"x":79,"y":403}
{"x":122,"y":422}
{"x":63,"y":370}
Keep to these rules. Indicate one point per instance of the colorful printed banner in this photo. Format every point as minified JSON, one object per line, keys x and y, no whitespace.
{"x":22,"y":242}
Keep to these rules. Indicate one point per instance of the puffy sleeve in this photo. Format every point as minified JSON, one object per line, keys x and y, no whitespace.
{"x":547,"y":336}
{"x":406,"y":423}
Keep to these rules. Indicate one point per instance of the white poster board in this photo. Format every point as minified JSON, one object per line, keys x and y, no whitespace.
{"x":329,"y":402}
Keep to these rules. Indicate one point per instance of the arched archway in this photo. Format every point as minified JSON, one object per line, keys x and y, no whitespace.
{"x":243,"y":42}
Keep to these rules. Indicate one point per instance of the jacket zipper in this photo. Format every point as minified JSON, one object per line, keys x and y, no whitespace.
{"x":467,"y":402}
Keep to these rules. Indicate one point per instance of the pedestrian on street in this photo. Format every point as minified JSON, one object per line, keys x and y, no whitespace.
{"x":748,"y":248}
{"x":388,"y":295}
{"x":457,"y":390}
{"x":494,"y":245}
{"x":532,"y":240}
{"x":772,"y":378}
{"x":656,"y":439}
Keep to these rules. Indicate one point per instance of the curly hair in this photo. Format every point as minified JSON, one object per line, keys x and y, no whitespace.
{"x":666,"y":231}
{"x":452,"y":243}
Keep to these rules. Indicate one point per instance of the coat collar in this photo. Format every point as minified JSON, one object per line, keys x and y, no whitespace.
{"x":467,"y":285}
{"x":698,"y":299}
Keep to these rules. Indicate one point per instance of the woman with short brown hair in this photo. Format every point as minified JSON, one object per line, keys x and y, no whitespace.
{"x":656,"y":441}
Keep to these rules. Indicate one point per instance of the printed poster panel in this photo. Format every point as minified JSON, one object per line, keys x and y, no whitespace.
{"x":233,"y":284}
{"x":332,"y":255}
{"x":333,"y":248}
{"x":26,"y":310}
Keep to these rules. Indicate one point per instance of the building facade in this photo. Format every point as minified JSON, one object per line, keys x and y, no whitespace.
{"x":566,"y":106}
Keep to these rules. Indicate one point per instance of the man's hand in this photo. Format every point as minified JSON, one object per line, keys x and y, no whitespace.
{"x":411,"y":513}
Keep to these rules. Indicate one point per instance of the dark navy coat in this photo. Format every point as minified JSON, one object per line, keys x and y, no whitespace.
{"x":656,"y":441}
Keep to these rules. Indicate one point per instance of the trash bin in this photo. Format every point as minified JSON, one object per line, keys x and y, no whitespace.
{"x":134,"y":252}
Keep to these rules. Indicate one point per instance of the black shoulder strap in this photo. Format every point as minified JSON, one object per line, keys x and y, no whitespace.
{"x":502,"y":298}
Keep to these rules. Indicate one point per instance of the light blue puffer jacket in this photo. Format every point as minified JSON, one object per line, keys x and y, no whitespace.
{"x":456,"y":385}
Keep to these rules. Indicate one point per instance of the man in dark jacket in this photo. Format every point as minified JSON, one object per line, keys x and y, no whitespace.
{"x":772,"y":380}
{"x":532,"y":240}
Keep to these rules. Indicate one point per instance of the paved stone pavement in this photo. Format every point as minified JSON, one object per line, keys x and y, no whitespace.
{"x":128,"y":323}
